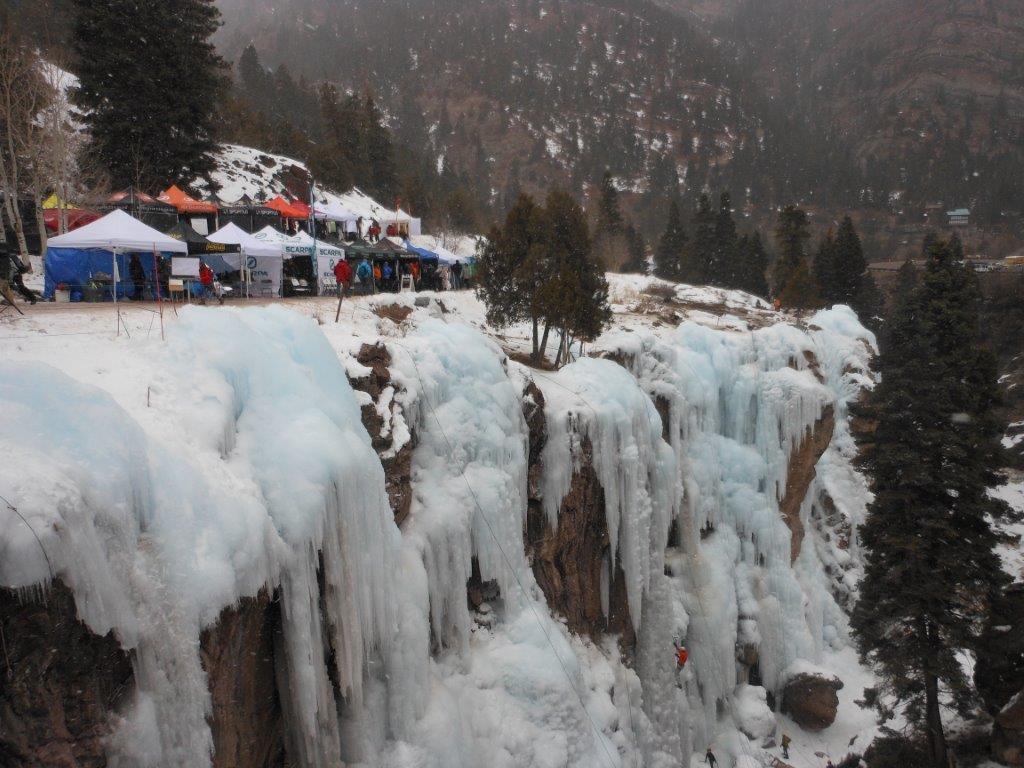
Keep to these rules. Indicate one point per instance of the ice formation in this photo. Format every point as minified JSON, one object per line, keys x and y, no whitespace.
{"x":253,"y":468}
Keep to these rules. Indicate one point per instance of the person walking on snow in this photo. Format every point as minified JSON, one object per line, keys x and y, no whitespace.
{"x":365,"y":274}
{"x":785,"y":746}
{"x":343,"y":274}
{"x":710,"y":759}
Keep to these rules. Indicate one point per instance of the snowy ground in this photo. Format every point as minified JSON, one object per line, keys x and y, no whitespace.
{"x":509,"y":684}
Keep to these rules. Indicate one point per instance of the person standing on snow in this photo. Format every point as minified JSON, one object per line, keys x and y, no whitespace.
{"x":457,"y":275}
{"x":710,"y":759}
{"x":785,"y":746}
{"x":206,"y":281}
{"x":343,"y":274}
{"x":365,"y":274}
{"x":138,"y":275}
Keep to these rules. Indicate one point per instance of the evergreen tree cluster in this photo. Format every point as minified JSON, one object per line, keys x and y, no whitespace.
{"x":539,"y":267}
{"x":149,"y":84}
{"x":346,"y":142}
{"x":716,"y":255}
{"x":618,"y":244}
{"x":931,"y":569}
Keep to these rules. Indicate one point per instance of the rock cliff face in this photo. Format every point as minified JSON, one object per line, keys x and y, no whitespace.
{"x":801,"y":474}
{"x":60,"y":683}
{"x":238,"y":655}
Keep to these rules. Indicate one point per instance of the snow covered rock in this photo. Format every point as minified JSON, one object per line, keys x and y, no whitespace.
{"x":752,"y":713}
{"x":1008,"y":733}
{"x":810,"y":696}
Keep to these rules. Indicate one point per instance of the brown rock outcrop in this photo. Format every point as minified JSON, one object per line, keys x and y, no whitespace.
{"x":812,"y":700}
{"x":238,"y":656}
{"x":1008,"y":733}
{"x":568,"y":560}
{"x":59,"y":682}
{"x":397,"y":467}
{"x":800,"y":474}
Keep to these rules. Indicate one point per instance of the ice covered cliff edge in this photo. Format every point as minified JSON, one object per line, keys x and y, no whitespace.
{"x":249,"y":473}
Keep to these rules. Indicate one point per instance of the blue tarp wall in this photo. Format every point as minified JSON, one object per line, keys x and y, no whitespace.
{"x":76,"y":266}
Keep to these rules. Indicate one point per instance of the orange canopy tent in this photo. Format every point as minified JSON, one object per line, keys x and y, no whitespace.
{"x":286,"y":209}
{"x":184,"y":202}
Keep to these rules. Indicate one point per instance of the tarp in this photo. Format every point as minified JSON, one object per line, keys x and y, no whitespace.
{"x":185,"y":203}
{"x":286,"y":209}
{"x":118,"y":230}
{"x":76,"y":268}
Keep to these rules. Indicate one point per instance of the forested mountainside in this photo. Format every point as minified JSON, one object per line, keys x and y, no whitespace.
{"x":520,"y":94}
{"x":875,"y":102}
{"x":928,"y":95}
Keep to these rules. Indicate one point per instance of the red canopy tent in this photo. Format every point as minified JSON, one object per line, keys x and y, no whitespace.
{"x":288,"y":210}
{"x":184,"y":202}
{"x":75,"y":217}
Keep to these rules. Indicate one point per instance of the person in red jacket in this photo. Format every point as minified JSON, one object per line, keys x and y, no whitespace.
{"x":343,"y":274}
{"x":206,"y":281}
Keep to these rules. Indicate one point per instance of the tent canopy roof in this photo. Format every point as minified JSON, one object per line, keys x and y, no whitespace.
{"x":118,"y":230}
{"x":197,"y":243}
{"x":184,"y":202}
{"x":286,"y":209}
{"x":232,"y":233}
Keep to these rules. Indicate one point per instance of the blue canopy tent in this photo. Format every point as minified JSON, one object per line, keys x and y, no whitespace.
{"x":94,"y":259}
{"x":423,"y":253}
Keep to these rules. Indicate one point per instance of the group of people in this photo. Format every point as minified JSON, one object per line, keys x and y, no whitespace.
{"x":386,"y":276}
{"x":12,"y":272}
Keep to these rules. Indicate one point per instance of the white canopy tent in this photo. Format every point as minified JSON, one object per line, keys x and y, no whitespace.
{"x":327,"y":256}
{"x":259,"y":261}
{"x":118,"y":231}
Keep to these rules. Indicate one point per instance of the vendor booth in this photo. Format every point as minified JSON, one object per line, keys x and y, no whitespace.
{"x":247,"y":215}
{"x":260,"y":262}
{"x":92,"y":262}
{"x":327,"y":256}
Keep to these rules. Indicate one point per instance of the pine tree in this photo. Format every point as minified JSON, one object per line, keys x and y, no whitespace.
{"x":508,"y":270}
{"x":637,"y":249}
{"x":752,"y":265}
{"x":931,"y":568}
{"x":826,"y":268}
{"x":608,"y":211}
{"x":149,"y":84}
{"x":670,"y":255}
{"x":724,"y":268}
{"x":379,"y":152}
{"x":794,"y":284}
{"x":701,"y":253}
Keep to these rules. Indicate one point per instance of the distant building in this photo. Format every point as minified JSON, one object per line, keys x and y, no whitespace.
{"x":959,"y":217}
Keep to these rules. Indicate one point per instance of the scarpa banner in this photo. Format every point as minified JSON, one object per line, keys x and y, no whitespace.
{"x":325,"y":273}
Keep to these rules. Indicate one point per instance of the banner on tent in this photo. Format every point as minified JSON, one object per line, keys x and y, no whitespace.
{"x":325,"y":273}
{"x":263,"y":269}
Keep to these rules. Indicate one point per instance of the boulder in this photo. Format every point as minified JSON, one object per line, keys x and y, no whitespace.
{"x":810,"y":698}
{"x":1008,"y":733}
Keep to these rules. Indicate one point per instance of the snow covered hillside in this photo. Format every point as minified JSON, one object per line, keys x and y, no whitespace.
{"x":385,"y":542}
